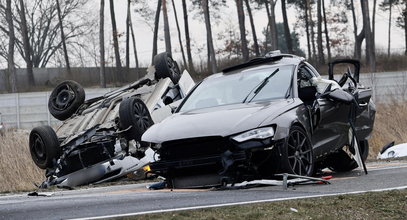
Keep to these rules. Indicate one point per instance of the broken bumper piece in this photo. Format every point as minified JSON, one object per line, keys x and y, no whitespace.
{"x":101,"y":172}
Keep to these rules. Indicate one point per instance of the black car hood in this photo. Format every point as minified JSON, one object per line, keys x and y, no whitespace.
{"x":216,"y":121}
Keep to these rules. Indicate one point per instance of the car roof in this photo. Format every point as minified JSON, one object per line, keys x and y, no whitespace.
{"x":270,"y":58}
{"x":280,"y":59}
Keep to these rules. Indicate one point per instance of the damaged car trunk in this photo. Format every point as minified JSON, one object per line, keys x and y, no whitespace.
{"x":272,"y":115}
{"x":100,"y":139}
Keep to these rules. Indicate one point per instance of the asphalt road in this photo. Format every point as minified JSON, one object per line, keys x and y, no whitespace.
{"x":136,"y":199}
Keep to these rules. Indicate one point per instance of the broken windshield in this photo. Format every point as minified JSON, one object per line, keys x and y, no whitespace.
{"x":235,"y":88}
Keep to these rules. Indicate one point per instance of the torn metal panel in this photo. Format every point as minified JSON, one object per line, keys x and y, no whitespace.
{"x":396,"y":151}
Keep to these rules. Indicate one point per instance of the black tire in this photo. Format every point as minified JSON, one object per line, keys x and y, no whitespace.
{"x":133,"y":112}
{"x":44,"y":146}
{"x":65,"y":99}
{"x":341,"y":162}
{"x":165,"y":66}
{"x":297,"y":156}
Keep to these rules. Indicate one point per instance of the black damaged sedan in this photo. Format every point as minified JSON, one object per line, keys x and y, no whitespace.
{"x":271,"y":115}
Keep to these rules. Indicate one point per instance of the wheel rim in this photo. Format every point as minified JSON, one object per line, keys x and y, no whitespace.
{"x":38,"y":148}
{"x":299,"y":153}
{"x":64,"y":97}
{"x":141,"y":116}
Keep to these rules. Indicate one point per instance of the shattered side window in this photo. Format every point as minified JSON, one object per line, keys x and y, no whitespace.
{"x":234,"y":88}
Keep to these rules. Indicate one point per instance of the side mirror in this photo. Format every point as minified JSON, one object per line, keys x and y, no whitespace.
{"x":341,"y":96}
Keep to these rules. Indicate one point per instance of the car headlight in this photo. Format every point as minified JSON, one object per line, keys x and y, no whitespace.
{"x":258,"y":133}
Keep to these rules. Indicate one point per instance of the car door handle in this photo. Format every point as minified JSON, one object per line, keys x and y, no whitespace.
{"x":363,"y":104}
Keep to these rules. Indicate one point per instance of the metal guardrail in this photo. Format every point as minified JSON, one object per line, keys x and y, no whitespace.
{"x":27,"y":110}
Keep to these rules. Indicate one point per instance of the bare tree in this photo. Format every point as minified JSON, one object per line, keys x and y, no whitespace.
{"x":128,"y":37}
{"x":328,"y":46}
{"x":44,"y":28}
{"x":287,"y":33}
{"x":370,"y":53}
{"x":10,"y":60}
{"x":240,"y":14}
{"x":61,"y":26}
{"x":116,"y":43}
{"x":133,"y":38}
{"x":272,"y":22}
{"x":156,"y":25}
{"x":167,"y":35}
{"x":187,"y":39}
{"x":306,"y":6}
{"x":26,"y":44}
{"x":102,"y":73}
{"x":255,"y":42}
{"x":387,"y":5}
{"x":211,"y":50}
{"x":312,"y":33}
{"x":179,"y":33}
{"x":321,"y":58}
{"x":358,"y":37}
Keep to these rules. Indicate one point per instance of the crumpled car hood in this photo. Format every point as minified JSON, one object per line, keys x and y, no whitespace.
{"x":215,"y":121}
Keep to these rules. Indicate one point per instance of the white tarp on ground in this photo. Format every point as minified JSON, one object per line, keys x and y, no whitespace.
{"x":399,"y":150}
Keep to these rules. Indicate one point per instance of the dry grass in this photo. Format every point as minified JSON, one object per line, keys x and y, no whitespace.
{"x":377,"y":205}
{"x":390,"y":125}
{"x":17,"y":170}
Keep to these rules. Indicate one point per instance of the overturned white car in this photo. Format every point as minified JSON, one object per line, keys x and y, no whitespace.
{"x":100,"y":139}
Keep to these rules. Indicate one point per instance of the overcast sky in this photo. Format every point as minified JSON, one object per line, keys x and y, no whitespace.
{"x":144,"y":33}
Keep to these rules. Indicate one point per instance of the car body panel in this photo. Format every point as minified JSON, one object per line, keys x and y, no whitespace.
{"x":93,"y":147}
{"x":200,"y":140}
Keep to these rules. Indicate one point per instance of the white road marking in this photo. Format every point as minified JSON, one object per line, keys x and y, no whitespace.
{"x":237,"y":203}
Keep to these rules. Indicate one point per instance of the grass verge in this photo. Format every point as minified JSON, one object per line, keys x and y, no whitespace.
{"x":377,"y":205}
{"x":17,"y":170}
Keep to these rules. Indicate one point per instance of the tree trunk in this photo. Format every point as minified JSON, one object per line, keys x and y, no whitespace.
{"x":179,"y":33}
{"x":287,"y":33}
{"x":321,"y":58}
{"x":10,"y":56}
{"x":211,"y":49}
{"x":26,"y":44}
{"x":187,"y":39}
{"x":240,"y":14}
{"x":358,"y":37}
{"x":328,"y":45}
{"x":128,"y":37}
{"x":405,"y":26}
{"x":389,"y":32}
{"x":374,"y":25}
{"x":167,"y":35}
{"x":68,"y":67}
{"x":116,"y":43}
{"x":133,"y":38}
{"x":256,"y":45}
{"x":370,"y":53}
{"x":307,"y":30}
{"x":311,"y":22}
{"x":273,"y":26}
{"x":102,"y":74}
{"x":156,"y":25}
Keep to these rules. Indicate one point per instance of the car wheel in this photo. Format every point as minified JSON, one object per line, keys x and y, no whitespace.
{"x":165,"y":66}
{"x":133,"y":113}
{"x":65,"y":99}
{"x":44,"y":146}
{"x":341,"y":161}
{"x":297,"y":156}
